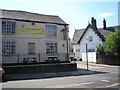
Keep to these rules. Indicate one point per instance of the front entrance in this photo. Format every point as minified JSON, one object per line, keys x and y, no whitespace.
{"x":31,"y":48}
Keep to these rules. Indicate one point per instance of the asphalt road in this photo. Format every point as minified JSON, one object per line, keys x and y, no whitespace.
{"x":98,"y":76}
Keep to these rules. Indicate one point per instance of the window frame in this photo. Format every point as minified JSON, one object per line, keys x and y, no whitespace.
{"x":8,"y":27}
{"x":8,"y":47}
{"x":51,"y":47}
{"x":90,"y":38}
{"x":51,"y":30}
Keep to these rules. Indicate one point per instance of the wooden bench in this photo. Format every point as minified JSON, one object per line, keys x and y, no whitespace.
{"x":26,"y":59}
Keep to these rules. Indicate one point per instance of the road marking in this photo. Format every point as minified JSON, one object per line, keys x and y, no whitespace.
{"x":115,"y":84}
{"x":101,"y":87}
{"x":70,"y":85}
{"x":104,"y":80}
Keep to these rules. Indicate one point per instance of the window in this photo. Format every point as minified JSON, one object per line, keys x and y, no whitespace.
{"x":8,"y":48}
{"x":77,"y":50}
{"x":51,"y":48}
{"x":90,"y":39}
{"x":31,"y":48}
{"x":51,"y":30}
{"x":8,"y":27}
{"x":91,"y":50}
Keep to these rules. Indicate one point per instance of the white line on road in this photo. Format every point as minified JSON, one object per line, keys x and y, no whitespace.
{"x":69,"y":85}
{"x":104,"y":80}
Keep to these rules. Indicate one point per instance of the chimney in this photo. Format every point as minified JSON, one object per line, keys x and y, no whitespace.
{"x":94,"y":23}
{"x":104,"y":24}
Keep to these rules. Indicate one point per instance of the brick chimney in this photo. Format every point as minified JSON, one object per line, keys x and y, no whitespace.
{"x":94,"y":23}
{"x":104,"y":24}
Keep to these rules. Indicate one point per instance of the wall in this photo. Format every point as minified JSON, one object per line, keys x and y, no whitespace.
{"x":90,"y":45}
{"x":40,"y":40}
{"x":108,"y":59}
{"x":91,"y":56}
{"x":77,"y":54}
{"x":41,"y":68}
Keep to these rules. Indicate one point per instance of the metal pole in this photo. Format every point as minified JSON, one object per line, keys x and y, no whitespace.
{"x":18,"y":58}
{"x":87,"y":57}
{"x":67,"y":50}
{"x":39,"y":57}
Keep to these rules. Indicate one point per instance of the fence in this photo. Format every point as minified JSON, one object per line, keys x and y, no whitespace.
{"x":30,"y":58}
{"x":108,"y":59}
{"x":91,"y":57}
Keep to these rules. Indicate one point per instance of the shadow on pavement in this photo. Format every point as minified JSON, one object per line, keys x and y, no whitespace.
{"x":29,"y":76}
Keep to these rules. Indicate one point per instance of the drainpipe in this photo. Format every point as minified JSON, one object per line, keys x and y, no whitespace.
{"x":67,"y":40}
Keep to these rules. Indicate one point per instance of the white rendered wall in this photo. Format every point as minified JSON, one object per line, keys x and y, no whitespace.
{"x":77,"y":54}
{"x":40,"y":40}
{"x":90,"y":45}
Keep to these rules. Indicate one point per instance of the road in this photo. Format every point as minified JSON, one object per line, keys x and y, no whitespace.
{"x":98,"y":76}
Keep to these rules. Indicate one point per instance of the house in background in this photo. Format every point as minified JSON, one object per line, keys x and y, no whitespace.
{"x":86,"y":40}
{"x":26,"y":34}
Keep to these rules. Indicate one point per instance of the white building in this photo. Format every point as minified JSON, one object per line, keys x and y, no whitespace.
{"x":25,"y":34}
{"x":85,"y":41}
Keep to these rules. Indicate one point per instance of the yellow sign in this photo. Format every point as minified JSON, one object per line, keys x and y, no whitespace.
{"x":24,"y":30}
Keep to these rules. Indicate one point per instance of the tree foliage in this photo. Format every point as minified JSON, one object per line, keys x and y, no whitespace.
{"x":100,"y":50}
{"x":113,"y":43}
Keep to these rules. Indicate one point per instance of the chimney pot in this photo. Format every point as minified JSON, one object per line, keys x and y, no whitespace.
{"x":94,"y":23}
{"x":104,"y":24}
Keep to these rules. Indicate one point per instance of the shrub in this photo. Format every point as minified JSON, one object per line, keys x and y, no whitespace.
{"x":100,"y":50}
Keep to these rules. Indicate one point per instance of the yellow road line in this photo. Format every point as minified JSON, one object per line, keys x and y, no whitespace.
{"x":116,"y":84}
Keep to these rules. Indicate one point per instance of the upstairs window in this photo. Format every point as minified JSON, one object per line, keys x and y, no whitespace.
{"x":51,"y":30}
{"x":8,"y":48}
{"x":90,"y":38}
{"x":8,"y":27}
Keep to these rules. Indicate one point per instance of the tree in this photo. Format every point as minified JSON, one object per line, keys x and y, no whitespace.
{"x":100,"y":50}
{"x":113,"y":43}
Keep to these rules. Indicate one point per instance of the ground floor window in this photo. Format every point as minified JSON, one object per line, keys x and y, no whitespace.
{"x":91,"y":50}
{"x":77,"y":50}
{"x":8,"y":47}
{"x":51,"y":48}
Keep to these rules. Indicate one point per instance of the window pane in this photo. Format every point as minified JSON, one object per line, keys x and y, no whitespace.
{"x":51,"y":30}
{"x":8,"y":48}
{"x":51,"y":48}
{"x":8,"y":27}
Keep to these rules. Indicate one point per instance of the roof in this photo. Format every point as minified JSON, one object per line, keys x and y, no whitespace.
{"x":78,"y":34}
{"x":29,"y":16}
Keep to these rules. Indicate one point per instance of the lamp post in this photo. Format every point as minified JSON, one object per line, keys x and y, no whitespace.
{"x":87,"y":56}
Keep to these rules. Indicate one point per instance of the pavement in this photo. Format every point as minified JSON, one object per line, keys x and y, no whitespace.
{"x":93,"y":64}
{"x":80,"y":71}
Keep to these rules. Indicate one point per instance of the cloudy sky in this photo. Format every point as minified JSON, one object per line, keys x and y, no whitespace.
{"x":77,"y":13}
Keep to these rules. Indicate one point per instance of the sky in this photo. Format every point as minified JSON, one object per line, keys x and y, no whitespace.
{"x":77,"y":13}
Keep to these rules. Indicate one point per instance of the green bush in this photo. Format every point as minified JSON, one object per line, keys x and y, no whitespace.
{"x":113,"y":43}
{"x":100,"y":50}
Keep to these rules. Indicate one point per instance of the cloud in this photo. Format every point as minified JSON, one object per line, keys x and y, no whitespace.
{"x":105,"y":14}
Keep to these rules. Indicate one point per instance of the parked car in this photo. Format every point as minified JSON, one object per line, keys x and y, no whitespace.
{"x":72,"y":56}
{"x":2,"y":74}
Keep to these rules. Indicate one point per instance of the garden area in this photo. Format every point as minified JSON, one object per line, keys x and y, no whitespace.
{"x":110,"y":52}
